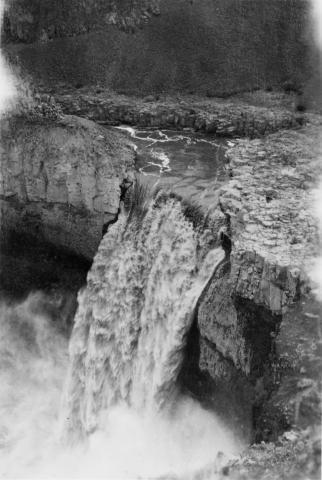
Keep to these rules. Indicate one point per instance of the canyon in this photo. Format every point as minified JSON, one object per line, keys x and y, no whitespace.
{"x":61,"y":180}
{"x":253,"y":350}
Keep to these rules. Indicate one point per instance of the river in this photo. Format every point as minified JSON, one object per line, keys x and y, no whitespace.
{"x":189,"y":163}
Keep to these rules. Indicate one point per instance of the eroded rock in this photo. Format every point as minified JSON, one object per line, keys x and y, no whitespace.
{"x":245,"y":315}
{"x":61,"y":180}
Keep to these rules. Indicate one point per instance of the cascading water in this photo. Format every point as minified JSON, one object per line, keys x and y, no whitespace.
{"x":126,"y":353}
{"x":121,"y":400}
{"x":133,"y":318}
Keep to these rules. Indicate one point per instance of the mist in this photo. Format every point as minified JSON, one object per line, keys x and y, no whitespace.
{"x":34,"y":360}
{"x":315,"y":268}
{"x":128,"y":444}
{"x":8,"y":90}
{"x":317,"y":20}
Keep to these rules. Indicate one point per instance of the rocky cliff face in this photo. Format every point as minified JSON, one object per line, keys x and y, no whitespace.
{"x":261,"y":293}
{"x":210,"y":47}
{"x":224,"y":118}
{"x":60,"y":181}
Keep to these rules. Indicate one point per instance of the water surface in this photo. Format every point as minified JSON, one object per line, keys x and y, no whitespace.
{"x":191,"y":163}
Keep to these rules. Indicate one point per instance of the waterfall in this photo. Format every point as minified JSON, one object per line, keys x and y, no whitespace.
{"x":128,"y":341}
{"x":122,"y":414}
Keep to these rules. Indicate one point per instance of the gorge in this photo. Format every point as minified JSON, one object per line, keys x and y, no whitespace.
{"x":169,"y":240}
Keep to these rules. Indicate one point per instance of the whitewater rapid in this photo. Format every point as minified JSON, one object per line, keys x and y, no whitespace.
{"x":120,"y":412}
{"x":133,"y":317}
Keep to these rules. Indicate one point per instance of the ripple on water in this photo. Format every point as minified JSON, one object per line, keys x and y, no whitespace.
{"x":192,"y":164}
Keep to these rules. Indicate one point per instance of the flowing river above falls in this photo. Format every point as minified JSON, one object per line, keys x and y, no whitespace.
{"x":191,"y":164}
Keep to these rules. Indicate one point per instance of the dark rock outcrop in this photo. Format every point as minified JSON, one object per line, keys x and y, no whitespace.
{"x":61,"y":180}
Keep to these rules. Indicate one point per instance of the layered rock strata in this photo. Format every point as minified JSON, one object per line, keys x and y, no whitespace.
{"x":222,"y":118}
{"x":61,"y":180}
{"x":245,"y":315}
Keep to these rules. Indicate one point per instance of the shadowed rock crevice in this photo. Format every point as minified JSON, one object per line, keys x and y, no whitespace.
{"x":230,"y":355}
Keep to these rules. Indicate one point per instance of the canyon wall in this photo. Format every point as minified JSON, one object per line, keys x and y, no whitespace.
{"x":61,"y":180}
{"x":209,"y":47}
{"x":258,"y":322}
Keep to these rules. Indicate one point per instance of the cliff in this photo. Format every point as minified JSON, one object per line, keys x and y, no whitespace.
{"x":228,"y":118}
{"x":259,"y":303}
{"x":61,"y":180}
{"x":209,"y":47}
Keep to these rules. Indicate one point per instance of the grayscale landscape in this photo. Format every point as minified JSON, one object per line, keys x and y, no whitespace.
{"x":160,"y":239}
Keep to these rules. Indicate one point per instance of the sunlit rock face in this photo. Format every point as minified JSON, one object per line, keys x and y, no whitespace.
{"x":61,"y":180}
{"x":243,"y":317}
{"x":269,"y":202}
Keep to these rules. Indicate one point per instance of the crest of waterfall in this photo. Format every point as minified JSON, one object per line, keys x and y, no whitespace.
{"x":133,"y":317}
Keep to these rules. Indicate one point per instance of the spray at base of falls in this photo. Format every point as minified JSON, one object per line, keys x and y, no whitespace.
{"x":126,"y":352}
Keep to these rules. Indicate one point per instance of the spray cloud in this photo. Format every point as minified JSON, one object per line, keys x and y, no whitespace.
{"x":8,"y":90}
{"x":316,"y":270}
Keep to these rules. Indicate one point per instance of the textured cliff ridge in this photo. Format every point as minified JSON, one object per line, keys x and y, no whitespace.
{"x":224,"y":118}
{"x":262,"y":292}
{"x":269,"y":203}
{"x":61,"y":180}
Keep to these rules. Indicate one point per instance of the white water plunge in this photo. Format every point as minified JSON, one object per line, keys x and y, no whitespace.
{"x":122,"y":414}
{"x":128,"y":344}
{"x":133,"y":317}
